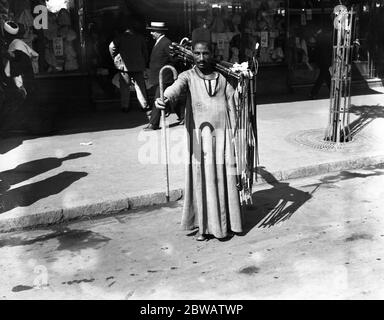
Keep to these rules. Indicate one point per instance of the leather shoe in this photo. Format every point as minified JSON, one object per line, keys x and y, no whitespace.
{"x":151,"y":127}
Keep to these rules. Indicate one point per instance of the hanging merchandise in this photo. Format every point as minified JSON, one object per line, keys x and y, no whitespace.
{"x":303,"y":19}
{"x":18,"y":6}
{"x":202,"y":33}
{"x":51,"y":35}
{"x":309,"y":14}
{"x":70,"y":54}
{"x":218,"y":24}
{"x":4,"y":9}
{"x":68,"y":36}
{"x":26,"y":20}
{"x":63,"y":18}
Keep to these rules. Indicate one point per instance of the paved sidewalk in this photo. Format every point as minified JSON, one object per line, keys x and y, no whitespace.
{"x":115,"y":165}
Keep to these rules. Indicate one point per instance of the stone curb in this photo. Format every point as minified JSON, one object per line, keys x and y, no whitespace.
{"x":107,"y":208}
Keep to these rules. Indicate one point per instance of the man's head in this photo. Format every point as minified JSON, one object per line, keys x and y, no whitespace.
{"x":202,"y":55}
{"x":156,"y":34}
{"x":157,"y":29}
{"x":11,"y":30}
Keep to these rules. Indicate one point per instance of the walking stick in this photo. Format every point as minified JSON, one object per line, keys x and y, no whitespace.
{"x":164,"y":128}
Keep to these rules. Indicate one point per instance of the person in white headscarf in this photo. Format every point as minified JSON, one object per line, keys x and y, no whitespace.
{"x":21,"y":59}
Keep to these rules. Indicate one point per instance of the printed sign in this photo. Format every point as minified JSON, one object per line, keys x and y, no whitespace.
{"x":220,"y":44}
{"x":264,"y":39}
{"x":58,"y":46}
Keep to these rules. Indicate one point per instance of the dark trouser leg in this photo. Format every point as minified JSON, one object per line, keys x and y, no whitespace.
{"x":328,"y":79}
{"x":156,"y":113}
{"x":319,"y":81}
{"x":141,"y":90}
{"x":125,"y":92}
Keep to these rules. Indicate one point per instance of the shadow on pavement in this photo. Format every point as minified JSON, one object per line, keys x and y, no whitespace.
{"x":8,"y":144}
{"x":111,"y":118}
{"x":302,"y":94}
{"x":69,"y":239}
{"x":28,"y":194}
{"x":373,"y":171}
{"x":274,"y":205}
{"x":367,"y":114}
{"x":81,"y":121}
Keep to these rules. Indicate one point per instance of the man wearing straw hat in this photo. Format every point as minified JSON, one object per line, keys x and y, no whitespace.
{"x":160,"y":57}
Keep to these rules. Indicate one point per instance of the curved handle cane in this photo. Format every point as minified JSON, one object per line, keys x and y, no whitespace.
{"x":164,"y":128}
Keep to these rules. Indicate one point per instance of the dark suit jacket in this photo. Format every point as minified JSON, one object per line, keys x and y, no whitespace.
{"x":133,"y":51}
{"x":324,"y":50}
{"x":159,"y":58}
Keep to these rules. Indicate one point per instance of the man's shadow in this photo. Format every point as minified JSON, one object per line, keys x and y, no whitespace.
{"x":29,"y":194}
{"x":274,"y":205}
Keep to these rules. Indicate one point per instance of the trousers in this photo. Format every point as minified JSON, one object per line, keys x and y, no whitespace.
{"x":178,"y":108}
{"x":137,"y":78}
{"x":324,"y":76}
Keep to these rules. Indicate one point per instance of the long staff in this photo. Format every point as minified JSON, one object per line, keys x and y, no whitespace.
{"x":164,"y":127}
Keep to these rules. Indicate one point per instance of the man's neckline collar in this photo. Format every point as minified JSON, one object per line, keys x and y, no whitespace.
{"x":213,"y":76}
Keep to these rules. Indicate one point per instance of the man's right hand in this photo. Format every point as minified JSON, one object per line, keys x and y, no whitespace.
{"x":160,"y":104}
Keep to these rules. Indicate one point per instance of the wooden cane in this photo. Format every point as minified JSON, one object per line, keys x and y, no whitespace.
{"x":164,"y":125}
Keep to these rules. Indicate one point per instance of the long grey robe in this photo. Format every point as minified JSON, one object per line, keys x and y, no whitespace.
{"x":211,"y":200}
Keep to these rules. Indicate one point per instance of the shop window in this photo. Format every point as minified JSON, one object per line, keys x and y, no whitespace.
{"x":305,"y":18}
{"x":57,"y":38}
{"x":236,"y":27}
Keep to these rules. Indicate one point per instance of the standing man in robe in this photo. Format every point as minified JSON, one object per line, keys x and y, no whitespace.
{"x":212,"y":201}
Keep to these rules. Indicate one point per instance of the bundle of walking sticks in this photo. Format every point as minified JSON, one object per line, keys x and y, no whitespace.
{"x":245,"y":138}
{"x":184,"y":52}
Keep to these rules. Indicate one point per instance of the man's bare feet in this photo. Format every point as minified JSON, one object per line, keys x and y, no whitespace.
{"x":201,"y":237}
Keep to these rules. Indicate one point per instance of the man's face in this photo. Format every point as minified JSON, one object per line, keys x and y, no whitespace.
{"x":202,"y":56}
{"x":155,"y":35}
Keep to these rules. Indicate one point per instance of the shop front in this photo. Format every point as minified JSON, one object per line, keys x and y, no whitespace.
{"x":234,"y":28}
{"x":285,"y":32}
{"x":54,"y":29}
{"x":306,"y":17}
{"x":73,"y":46}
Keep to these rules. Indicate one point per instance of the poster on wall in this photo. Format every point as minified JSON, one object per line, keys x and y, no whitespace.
{"x":58,"y":46}
{"x":264,"y":39}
